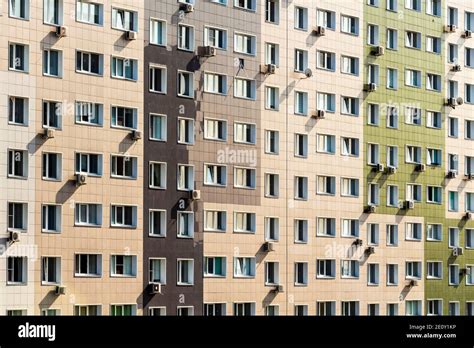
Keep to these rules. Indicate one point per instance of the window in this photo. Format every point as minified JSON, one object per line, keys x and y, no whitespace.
{"x":301,"y":60}
{"x":249,"y":5}
{"x":372,"y":35}
{"x":89,"y":63}
{"x":301,"y":310}
{"x":272,"y":229}
{"x":215,"y":83}
{"x":158,"y":32}
{"x":244,"y":178}
{"x":90,"y":310}
{"x":373,"y":274}
{"x":52,"y":163}
{"x":326,"y":19}
{"x":244,"y":309}
{"x":434,"y":270}
{"x":124,"y":20}
{"x":413,"y":5}
{"x":244,"y":88}
{"x":214,"y":309}
{"x":244,"y":267}
{"x":469,"y":165}
{"x":392,"y":196}
{"x":185,"y":273}
{"x":350,"y":308}
{"x":53,"y":12}
{"x":185,"y":131}
{"x":124,"y":68}
{"x":413,"y":193}
{"x":452,"y":53}
{"x":373,"y":154}
{"x":434,"y":194}
{"x":301,"y":273}
{"x":392,"y":78}
{"x":271,"y":185}
{"x":301,"y":18}
{"x":350,"y":65}
{"x":433,"y":7}
{"x":453,"y":163}
{"x":88,"y":265}
{"x":392,"y":5}
{"x":215,"y":175}
{"x":124,"y":216}
{"x":52,"y":114}
{"x":470,"y":202}
{"x":349,"y":25}
{"x":469,"y":21}
{"x":157,"y":79}
{"x":123,"y":266}
{"x":392,"y":117}
{"x":272,"y":142}
{"x":185,"y":224}
{"x":272,"y":53}
{"x":373,"y":234}
{"x":453,"y":201}
{"x":453,"y":308}
{"x":373,"y":74}
{"x":272,"y":310}
{"x":301,"y":103}
{"x":349,"y":106}
{"x":90,"y":13}
{"x":89,"y":113}
{"x":392,"y":274}
{"x":157,"y":269}
{"x":413,"y":270}
{"x":17,"y":269}
{"x":373,"y":3}
{"x":123,"y":117}
{"x":19,"y":9}
{"x":433,"y":157}
{"x":413,"y":231}
{"x":392,"y":39}
{"x":301,"y":188}
{"x":433,"y":45}
{"x":185,"y":177}
{"x":158,"y":124}
{"x":434,"y":232}
{"x":244,"y":222}
{"x":453,"y":237}
{"x":326,"y":143}
{"x":392,"y":309}
{"x":17,"y":164}
{"x":157,"y":223}
{"x":272,"y":95}
{"x":326,"y":268}
{"x":413,"y":154}
{"x":52,"y":63}
{"x":88,"y":214}
{"x":350,"y":147}
{"x":413,"y":307}
{"x":326,"y":308}
{"x":124,"y":167}
{"x":469,"y":238}
{"x":272,"y":11}
{"x":90,"y":164}
{"x":453,"y":129}
{"x":434,"y":307}
{"x":244,"y":133}
{"x":374,"y":194}
{"x":49,"y":312}
{"x":413,"y":78}
{"x":215,"y":37}
{"x":469,"y":129}
{"x":215,"y":221}
{"x":51,"y":218}
{"x":157,"y":175}
{"x":469,"y":60}
{"x":469,"y":93}
{"x":326,"y":185}
{"x":349,"y":187}
{"x":214,"y":266}
{"x":123,"y":310}
{"x":301,"y":145}
{"x":349,"y":269}
{"x":392,"y":235}
{"x":245,"y":44}
{"x":453,"y":90}
{"x":470,"y":308}
{"x":327,"y":102}
{"x":433,"y":82}
{"x":433,"y":119}
{"x":470,"y":275}
{"x":18,"y":111}
{"x":301,"y":231}
{"x":272,"y":276}
{"x":18,"y":57}
{"x":185,"y":37}
{"x":392,"y":156}
{"x":350,"y":228}
{"x":452,"y":16}
{"x":326,"y":60}
{"x":373,"y":114}
{"x":326,"y":227}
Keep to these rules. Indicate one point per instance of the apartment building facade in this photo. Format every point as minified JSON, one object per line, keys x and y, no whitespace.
{"x":237,"y":157}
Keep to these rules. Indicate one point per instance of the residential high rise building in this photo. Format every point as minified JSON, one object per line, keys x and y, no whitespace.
{"x":237,"y":157}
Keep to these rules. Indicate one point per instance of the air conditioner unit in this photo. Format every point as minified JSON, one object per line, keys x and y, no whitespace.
{"x":421,"y":168}
{"x":268,"y":246}
{"x":409,"y":204}
{"x":450,"y":28}
{"x":380,"y":168}
{"x":14,"y":237}
{"x":319,"y":31}
{"x":60,"y":290}
{"x":81,"y":179}
{"x":60,"y":31}
{"x":207,"y":51}
{"x":378,"y":51}
{"x":370,"y":250}
{"x":155,"y":289}
{"x":459,"y":101}
{"x":456,"y":67}
{"x":465,"y":271}
{"x":371,"y":87}
{"x":358,"y":242}
{"x":452,"y":174}
{"x":320,"y":114}
{"x":470,"y":176}
{"x":48,"y":133}
{"x":278,"y":288}
{"x":196,"y":195}
{"x":468,"y":216}
{"x":391,"y":170}
{"x":187,"y":8}
{"x":457,"y":251}
{"x":131,"y":35}
{"x":271,"y":69}
{"x":136,"y":135}
{"x":412,"y":283}
{"x":371,"y":209}
{"x":467,"y":34}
